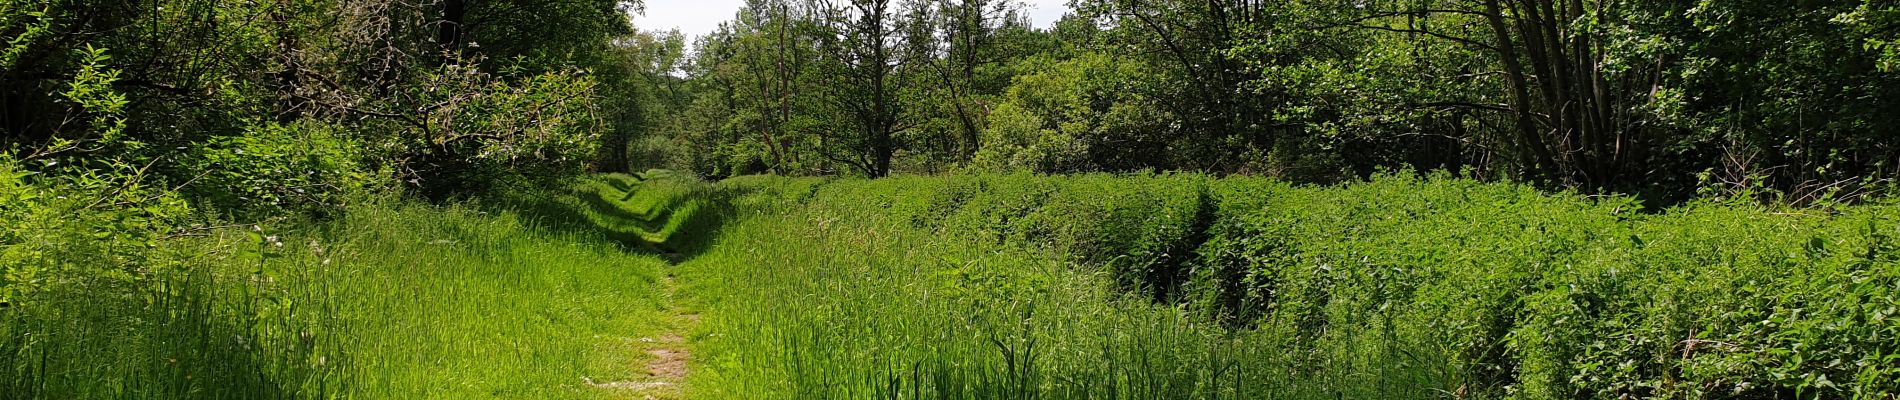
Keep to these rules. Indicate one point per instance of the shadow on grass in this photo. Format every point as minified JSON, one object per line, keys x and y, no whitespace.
{"x":678,"y":228}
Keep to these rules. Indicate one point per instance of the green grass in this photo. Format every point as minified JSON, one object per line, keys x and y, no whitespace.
{"x":949,"y":288}
{"x":1170,"y":286}
{"x":460,"y":306}
{"x":1180,"y":286}
{"x":393,"y":301}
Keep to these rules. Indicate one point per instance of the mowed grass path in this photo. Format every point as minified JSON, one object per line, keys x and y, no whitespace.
{"x":572,"y":297}
{"x":453,"y":305}
{"x":653,"y":212}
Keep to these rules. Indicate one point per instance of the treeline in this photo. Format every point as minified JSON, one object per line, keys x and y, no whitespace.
{"x":256,"y":107}
{"x":261,"y":107}
{"x":1794,"y":100}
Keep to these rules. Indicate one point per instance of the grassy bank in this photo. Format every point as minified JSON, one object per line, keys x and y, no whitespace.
{"x":1182,"y":286}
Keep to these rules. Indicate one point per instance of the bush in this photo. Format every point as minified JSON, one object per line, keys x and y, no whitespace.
{"x":276,"y":169}
{"x":1525,"y":294}
{"x":1084,"y":114}
{"x":473,"y":132}
{"x":63,"y":232}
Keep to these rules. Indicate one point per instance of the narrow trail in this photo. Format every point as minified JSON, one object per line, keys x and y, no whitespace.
{"x":670,"y":356}
{"x":666,"y":353}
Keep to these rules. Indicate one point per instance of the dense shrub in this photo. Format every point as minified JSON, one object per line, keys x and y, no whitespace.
{"x":1543,"y":296}
{"x":67,"y":233}
{"x":1089,"y":113}
{"x":86,"y":268}
{"x":274,"y":169}
{"x":478,"y":132}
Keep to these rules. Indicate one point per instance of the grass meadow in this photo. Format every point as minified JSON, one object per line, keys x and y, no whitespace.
{"x":1140,"y":286}
{"x":1189,"y":287}
{"x":392,"y":301}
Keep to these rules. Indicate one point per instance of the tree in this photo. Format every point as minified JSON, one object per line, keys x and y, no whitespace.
{"x":640,"y":81}
{"x":958,"y":43}
{"x":1657,"y":97}
{"x":862,"y":44}
{"x":440,"y":88}
{"x":1087,"y":113}
{"x":1188,"y":42}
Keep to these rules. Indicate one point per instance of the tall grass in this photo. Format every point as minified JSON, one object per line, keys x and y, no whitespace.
{"x":900,"y":289}
{"x":988,"y":287}
{"x":1182,"y":286}
{"x":393,"y":301}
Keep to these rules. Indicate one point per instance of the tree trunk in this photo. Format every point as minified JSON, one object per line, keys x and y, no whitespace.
{"x":615,"y":155}
{"x":1536,"y":155}
{"x":288,"y":79}
{"x":449,"y":32}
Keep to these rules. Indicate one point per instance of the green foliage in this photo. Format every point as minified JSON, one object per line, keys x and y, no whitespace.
{"x":390,"y":301}
{"x":1553,"y":297}
{"x":861,"y":88}
{"x":91,"y":90}
{"x":1081,"y":114}
{"x":452,"y":97}
{"x":479,"y":130}
{"x":1804,"y":113}
{"x":92,"y":97}
{"x":1402,"y":287}
{"x":31,"y":25}
{"x":1660,"y":99}
{"x":275,"y":169}
{"x":640,"y":96}
{"x":68,"y":233}
{"x":1017,"y":141}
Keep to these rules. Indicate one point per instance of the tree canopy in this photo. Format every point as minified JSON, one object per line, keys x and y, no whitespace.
{"x":1658,"y":98}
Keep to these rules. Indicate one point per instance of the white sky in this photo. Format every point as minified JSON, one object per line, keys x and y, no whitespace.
{"x":699,"y":17}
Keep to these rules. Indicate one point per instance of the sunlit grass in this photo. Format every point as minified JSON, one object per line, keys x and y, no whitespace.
{"x":991,"y":287}
{"x":1017,"y":287}
{"x":393,"y":301}
{"x":841,"y":297}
